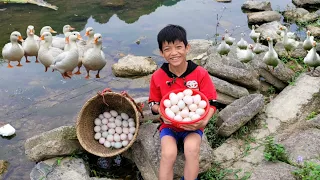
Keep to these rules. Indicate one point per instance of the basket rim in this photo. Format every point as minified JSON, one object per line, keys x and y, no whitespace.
{"x":115,"y":151}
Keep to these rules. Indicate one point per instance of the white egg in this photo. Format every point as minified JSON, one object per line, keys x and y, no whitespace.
{"x":130,"y":119}
{"x":174,"y":100}
{"x":130,"y":136}
{"x":200,"y":111}
{"x":171,"y":95}
{"x":125,"y":123}
{"x":114,"y":113}
{"x":105,"y":134}
{"x":132,"y":124}
{"x":118,"y":122}
{"x":170,"y":114}
{"x":102,"y":140}
{"x":125,"y":130}
{"x":178,"y":118}
{"x":125,"y":143}
{"x":116,"y":137}
{"x":165,"y":110}
{"x":191,"y":114}
{"x":184,"y":113}
{"x":167,"y":103}
{"x":112,"y":119}
{"x":97,"y":129}
{"x":124,"y":116}
{"x":107,"y":115}
{"x":180,"y":95}
{"x":111,"y":131}
{"x":186,"y":119}
{"x":181,"y":104}
{"x":193,"y":107}
{"x":118,"y":145}
{"x":174,"y":108}
{"x":119,"y":118}
{"x":132,"y":130}
{"x":101,"y":116}
{"x":104,"y":121}
{"x":107,"y":144}
{"x":112,"y":144}
{"x":97,"y":121}
{"x":196,"y":98}
{"x":104,"y":127}
{"x":187,"y":92}
{"x":118,"y":130}
{"x":110,"y":138}
{"x":185,"y":108}
{"x":123,"y":136}
{"x":202,"y":104}
{"x":111,"y":125}
{"x":195,"y":116}
{"x":188,"y":100}
{"x":97,"y":136}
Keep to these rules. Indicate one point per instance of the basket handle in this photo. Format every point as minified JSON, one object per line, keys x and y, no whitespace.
{"x":102,"y":94}
{"x":139,"y":106}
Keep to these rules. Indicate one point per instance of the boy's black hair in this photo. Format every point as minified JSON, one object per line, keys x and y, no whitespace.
{"x":171,"y":33}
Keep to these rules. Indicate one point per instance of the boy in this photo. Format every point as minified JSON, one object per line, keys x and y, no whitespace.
{"x":179,"y":73}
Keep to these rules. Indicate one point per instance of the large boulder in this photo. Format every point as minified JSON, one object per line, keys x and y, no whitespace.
{"x":228,"y":88}
{"x":273,"y":171}
{"x":306,"y":3}
{"x":198,"y":47}
{"x":301,"y":15}
{"x":269,"y":30}
{"x":133,"y":66}
{"x":257,"y":6}
{"x":57,"y":142}
{"x":263,"y":17}
{"x":299,"y":52}
{"x":315,"y":30}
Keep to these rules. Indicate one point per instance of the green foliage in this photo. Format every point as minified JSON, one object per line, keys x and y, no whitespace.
{"x":215,"y":173}
{"x":274,"y":152}
{"x":271,"y":90}
{"x":292,"y":82}
{"x":309,"y":171}
{"x":312,"y":115}
{"x":211,"y":132}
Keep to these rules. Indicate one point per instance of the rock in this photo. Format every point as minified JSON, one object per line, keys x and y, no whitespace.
{"x":273,"y":171}
{"x":112,"y":3}
{"x":130,"y":66}
{"x":269,"y":30}
{"x":198,"y":47}
{"x":238,"y":113}
{"x":145,"y":153}
{"x":306,"y":3}
{"x":228,"y":88}
{"x":229,"y":151}
{"x":315,"y":30}
{"x":263,"y":17}
{"x":224,"y":98}
{"x":257,"y":6}
{"x":57,"y":142}
{"x":301,"y":15}
{"x":299,"y":52}
{"x":3,"y":166}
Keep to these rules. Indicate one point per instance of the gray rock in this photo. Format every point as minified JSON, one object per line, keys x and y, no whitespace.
{"x":145,"y":152}
{"x":263,"y":17}
{"x":130,"y":66}
{"x":238,"y":113}
{"x":198,"y":47}
{"x":299,"y":52}
{"x":306,"y":3}
{"x":295,"y":13}
{"x":257,"y":6}
{"x":228,"y":88}
{"x":224,"y":98}
{"x":269,"y":30}
{"x":315,"y":30}
{"x":57,"y":142}
{"x":273,"y":171}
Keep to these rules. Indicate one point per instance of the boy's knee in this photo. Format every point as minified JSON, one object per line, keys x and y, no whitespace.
{"x":191,"y":150}
{"x":168,"y":156}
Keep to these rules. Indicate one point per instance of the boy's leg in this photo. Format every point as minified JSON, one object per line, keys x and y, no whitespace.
{"x":191,"y":152}
{"x":168,"y":155}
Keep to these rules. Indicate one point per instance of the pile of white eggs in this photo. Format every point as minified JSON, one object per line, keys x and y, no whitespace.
{"x":113,"y":129}
{"x":184,"y":106}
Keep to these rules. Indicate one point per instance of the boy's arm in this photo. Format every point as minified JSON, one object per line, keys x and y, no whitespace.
{"x":154,"y":97}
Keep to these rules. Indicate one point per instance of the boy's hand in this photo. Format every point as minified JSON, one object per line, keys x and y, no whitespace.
{"x":194,"y":126}
{"x":166,"y":121}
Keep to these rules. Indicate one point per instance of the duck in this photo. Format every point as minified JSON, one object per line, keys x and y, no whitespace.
{"x":31,"y":45}
{"x":290,"y":35}
{"x":59,"y":42}
{"x":308,"y":42}
{"x":253,"y":34}
{"x":13,"y":51}
{"x":47,"y":29}
{"x":94,"y":58}
{"x":68,"y":60}
{"x":245,"y":55}
{"x":289,"y":44}
{"x":242,"y":44}
{"x":47,"y":53}
{"x":271,"y":56}
{"x":258,"y":48}
{"x":312,"y":59}
{"x":90,"y":33}
{"x":223,"y":48}
{"x":229,"y":40}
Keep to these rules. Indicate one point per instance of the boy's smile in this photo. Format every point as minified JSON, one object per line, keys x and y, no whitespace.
{"x":175,"y":53}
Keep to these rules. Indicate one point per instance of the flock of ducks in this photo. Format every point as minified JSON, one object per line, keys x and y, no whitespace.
{"x":246,"y":52}
{"x":61,"y":54}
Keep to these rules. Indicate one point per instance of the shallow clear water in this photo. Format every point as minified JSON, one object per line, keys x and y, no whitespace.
{"x":34,"y":101}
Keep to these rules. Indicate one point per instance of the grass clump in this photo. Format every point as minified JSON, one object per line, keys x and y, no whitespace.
{"x":309,"y":171}
{"x":274,"y":152}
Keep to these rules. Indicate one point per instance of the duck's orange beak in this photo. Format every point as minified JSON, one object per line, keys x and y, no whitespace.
{"x":95,"y":40}
{"x":79,"y":37}
{"x":42,"y":37}
{"x":268,"y":38}
{"x":314,"y":44}
{"x":53,"y":31}
{"x":67,"y":40}
{"x":87,"y":33}
{"x":20,"y":38}
{"x":32,"y":32}
{"x":71,"y":28}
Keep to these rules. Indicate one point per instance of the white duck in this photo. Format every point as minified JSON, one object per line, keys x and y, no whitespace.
{"x":30,"y":45}
{"x":289,"y":44}
{"x":290,"y":35}
{"x":245,"y":55}
{"x":308,"y":42}
{"x":90,"y":34}
{"x":13,"y":51}
{"x":258,"y":48}
{"x":94,"y":58}
{"x":47,"y":29}
{"x":242,"y":44}
{"x":229,"y":40}
{"x":223,"y":48}
{"x":59,"y":42}
{"x":68,"y":60}
{"x":312,"y":59}
{"x":47,"y":53}
{"x":253,"y":34}
{"x":271,"y":57}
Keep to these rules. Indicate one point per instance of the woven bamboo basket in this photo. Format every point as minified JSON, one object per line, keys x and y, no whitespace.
{"x":91,"y":110}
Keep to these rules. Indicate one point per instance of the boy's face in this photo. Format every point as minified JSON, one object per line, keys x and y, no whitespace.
{"x":175,"y":53}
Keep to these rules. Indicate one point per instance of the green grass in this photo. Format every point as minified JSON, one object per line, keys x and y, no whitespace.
{"x":309,"y":171}
{"x":312,"y":115}
{"x":211,"y":132}
{"x":274,"y":152}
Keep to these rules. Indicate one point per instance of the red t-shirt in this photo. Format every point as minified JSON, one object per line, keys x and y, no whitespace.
{"x":164,"y":81}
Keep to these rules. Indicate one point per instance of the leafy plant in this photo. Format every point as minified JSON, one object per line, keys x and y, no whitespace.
{"x":271,"y":90}
{"x":215,"y":173}
{"x":274,"y":152}
{"x":211,"y":132}
{"x":312,"y":115}
{"x":309,"y":171}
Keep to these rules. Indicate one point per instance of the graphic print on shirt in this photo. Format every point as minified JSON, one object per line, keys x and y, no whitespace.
{"x":192,"y":84}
